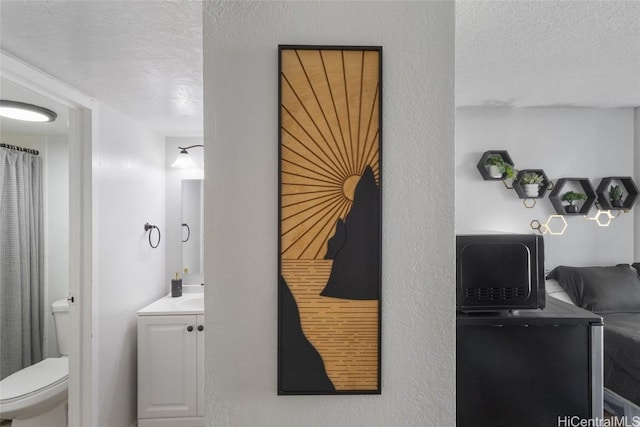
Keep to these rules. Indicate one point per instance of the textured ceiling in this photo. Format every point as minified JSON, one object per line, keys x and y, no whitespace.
{"x":141,"y":57}
{"x":145,"y":57}
{"x":548,"y":53}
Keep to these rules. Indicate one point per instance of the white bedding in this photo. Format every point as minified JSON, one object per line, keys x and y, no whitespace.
{"x":553,"y":289}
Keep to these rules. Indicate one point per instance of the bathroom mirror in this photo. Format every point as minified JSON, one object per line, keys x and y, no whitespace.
{"x":191,"y":217}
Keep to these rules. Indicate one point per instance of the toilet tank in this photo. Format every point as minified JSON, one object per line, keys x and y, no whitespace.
{"x":60,"y":310}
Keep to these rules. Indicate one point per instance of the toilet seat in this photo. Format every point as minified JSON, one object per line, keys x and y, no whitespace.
{"x":41,"y":386}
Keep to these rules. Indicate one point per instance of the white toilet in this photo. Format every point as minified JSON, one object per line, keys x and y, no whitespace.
{"x":36,"y":396}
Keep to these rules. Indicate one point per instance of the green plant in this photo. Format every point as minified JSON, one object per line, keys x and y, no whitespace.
{"x":615,"y":192}
{"x":532,"y":178}
{"x":572,"y":196}
{"x":504,"y":167}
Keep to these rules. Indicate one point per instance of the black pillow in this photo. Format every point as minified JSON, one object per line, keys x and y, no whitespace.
{"x":601,"y":289}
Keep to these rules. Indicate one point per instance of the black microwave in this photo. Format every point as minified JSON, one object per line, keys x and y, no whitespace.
{"x":499,"y":272}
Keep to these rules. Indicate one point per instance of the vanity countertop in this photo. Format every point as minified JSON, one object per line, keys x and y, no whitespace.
{"x":191,"y":302}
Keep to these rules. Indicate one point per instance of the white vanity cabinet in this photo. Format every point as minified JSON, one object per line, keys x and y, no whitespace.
{"x":170,"y":368}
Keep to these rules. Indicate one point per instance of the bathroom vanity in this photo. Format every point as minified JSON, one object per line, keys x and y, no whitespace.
{"x":170,"y":361}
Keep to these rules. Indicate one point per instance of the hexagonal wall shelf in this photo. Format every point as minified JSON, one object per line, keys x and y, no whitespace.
{"x":557,"y":193}
{"x":482,"y":168}
{"x":631,"y":191}
{"x":519,"y":187}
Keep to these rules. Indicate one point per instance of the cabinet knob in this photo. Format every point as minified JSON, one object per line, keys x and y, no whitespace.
{"x":189,"y":328}
{"x":200,"y":328}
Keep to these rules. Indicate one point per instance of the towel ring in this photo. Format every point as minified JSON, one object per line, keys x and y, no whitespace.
{"x":149,"y":227}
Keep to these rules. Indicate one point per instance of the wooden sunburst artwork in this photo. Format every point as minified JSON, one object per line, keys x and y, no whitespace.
{"x":329,"y":294}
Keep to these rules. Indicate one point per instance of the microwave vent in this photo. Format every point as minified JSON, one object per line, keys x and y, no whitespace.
{"x":495,"y":294}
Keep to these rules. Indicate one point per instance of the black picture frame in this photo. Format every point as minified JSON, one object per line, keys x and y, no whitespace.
{"x":329,"y":219}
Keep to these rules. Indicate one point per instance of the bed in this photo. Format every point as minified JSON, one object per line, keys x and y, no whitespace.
{"x":613,"y":292}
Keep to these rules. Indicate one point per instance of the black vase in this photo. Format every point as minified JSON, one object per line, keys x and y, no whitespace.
{"x":571,"y":209}
{"x":616,"y":203}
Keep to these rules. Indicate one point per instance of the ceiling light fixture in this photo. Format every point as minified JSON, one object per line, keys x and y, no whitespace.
{"x":184,"y":159}
{"x":26,"y":112}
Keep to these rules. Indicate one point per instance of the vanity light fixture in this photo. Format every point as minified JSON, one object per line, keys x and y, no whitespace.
{"x":26,"y":112}
{"x":184,"y":159}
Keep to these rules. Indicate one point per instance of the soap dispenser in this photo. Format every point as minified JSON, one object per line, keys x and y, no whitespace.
{"x":176,"y":287}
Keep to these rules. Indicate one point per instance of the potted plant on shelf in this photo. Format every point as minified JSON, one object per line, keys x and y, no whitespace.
{"x":498,"y":168}
{"x":531,"y":182}
{"x":616,"y":194}
{"x":572,"y":196}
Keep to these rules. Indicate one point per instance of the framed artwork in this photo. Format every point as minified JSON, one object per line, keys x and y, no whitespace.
{"x":329,"y":312}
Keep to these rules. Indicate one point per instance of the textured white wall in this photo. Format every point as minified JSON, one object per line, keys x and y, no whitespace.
{"x":174,"y":179}
{"x":129,"y":171}
{"x":241,"y":208}
{"x":565,"y":142}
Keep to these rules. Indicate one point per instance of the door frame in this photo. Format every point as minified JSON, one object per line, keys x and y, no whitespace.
{"x":82,"y":139}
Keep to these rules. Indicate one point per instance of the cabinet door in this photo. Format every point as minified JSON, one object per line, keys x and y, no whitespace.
{"x":200,"y":374}
{"x":522,"y":376}
{"x":167,"y":365}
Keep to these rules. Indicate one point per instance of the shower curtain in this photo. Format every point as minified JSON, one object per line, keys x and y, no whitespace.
{"x":21,"y":261}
